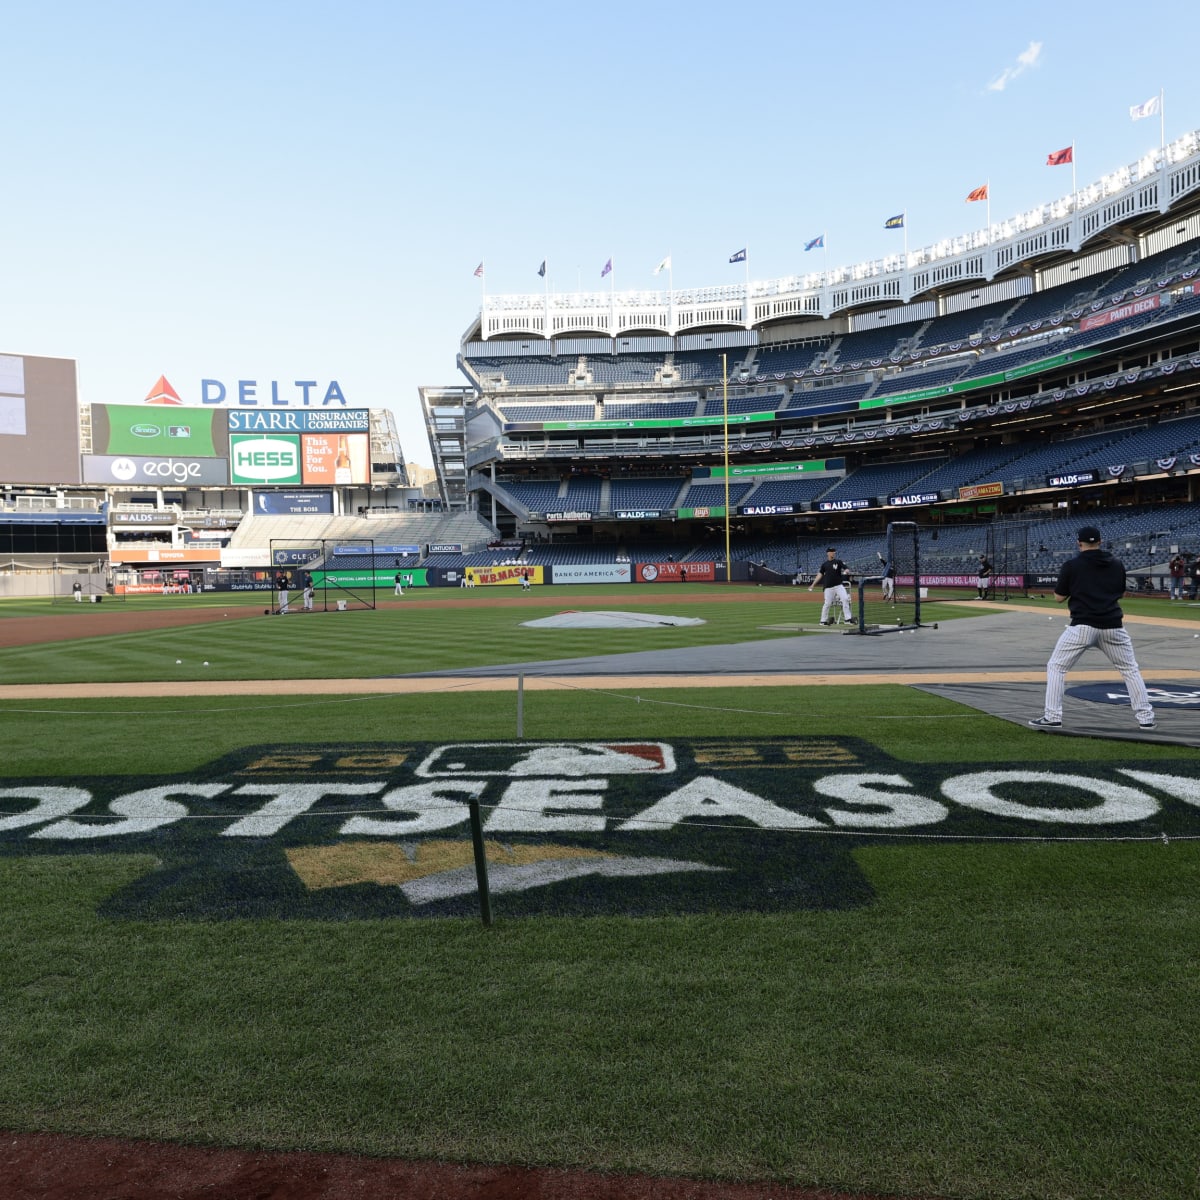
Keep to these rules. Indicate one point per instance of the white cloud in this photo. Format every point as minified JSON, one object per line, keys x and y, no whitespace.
{"x":1026,"y":59}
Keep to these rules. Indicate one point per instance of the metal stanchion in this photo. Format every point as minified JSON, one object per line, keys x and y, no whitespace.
{"x":481,"y":875}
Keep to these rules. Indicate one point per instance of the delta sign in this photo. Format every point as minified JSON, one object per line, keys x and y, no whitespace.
{"x":250,"y":393}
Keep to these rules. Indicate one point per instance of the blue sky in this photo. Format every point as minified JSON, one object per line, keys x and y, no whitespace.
{"x":303,"y":191}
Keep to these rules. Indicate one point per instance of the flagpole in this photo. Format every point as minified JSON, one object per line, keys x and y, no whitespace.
{"x":612,"y":299}
{"x":725,"y":395}
{"x":825,"y":252}
{"x":671,"y":292}
{"x":1162,"y":123}
{"x":989,"y":212}
{"x":904,"y":220}
{"x":1074,"y":188}
{"x":749,"y":322}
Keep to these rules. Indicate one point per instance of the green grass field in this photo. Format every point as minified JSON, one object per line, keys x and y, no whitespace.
{"x":1003,"y":1019}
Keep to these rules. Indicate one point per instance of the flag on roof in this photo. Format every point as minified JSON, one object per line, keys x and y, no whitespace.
{"x":980,"y":193}
{"x":1151,"y":108}
{"x":738,"y":256}
{"x":896,"y":222}
{"x":665,"y":265}
{"x":1061,"y":157}
{"x":479,"y":271}
{"x":607,"y":269}
{"x":542,"y":269}
{"x":816,"y":244}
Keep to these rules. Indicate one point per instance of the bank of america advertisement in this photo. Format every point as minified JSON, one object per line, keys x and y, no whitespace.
{"x":39,"y":420}
{"x":304,"y":458}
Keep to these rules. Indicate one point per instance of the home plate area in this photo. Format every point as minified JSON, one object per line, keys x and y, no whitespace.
{"x":1092,"y":709}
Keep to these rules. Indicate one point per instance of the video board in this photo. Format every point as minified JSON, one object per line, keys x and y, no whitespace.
{"x":39,"y":420}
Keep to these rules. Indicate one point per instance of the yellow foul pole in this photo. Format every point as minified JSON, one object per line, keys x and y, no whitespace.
{"x":725,"y":392}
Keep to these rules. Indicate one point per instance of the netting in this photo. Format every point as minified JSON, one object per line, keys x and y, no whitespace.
{"x":892,"y":599}
{"x":1008,"y":552}
{"x":344,"y":574}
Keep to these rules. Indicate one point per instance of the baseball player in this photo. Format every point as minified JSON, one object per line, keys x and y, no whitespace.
{"x":1091,"y":584}
{"x":888,"y":580}
{"x":832,"y":576}
{"x":983,"y":577}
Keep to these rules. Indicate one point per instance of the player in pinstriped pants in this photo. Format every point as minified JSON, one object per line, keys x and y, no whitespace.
{"x":1091,"y":584}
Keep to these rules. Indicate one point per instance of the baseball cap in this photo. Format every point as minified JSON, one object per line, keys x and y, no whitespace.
{"x":830,"y":549}
{"x":1089,"y":534}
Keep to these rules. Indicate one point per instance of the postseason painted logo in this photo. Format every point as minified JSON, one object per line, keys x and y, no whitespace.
{"x":573,"y":828}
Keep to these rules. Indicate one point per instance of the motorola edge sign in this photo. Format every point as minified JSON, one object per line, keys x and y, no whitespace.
{"x":140,"y":469}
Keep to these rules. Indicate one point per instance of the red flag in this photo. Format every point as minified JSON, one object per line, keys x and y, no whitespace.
{"x":479,"y":271}
{"x":1061,"y":157}
{"x":980,"y":193}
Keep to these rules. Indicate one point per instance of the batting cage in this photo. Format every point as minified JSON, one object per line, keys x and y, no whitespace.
{"x":325,"y":575}
{"x":82,"y":587}
{"x":952,"y":564}
{"x":1008,"y":551}
{"x":891,"y":600}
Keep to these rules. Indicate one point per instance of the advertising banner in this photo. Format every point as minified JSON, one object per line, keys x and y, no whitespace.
{"x":1073,"y":478}
{"x":288,"y":504}
{"x":638,"y":514}
{"x":336,"y":458}
{"x":819,"y":466}
{"x":978,"y":490}
{"x":349,"y":578}
{"x":319,"y":420}
{"x":314,"y":458}
{"x":163,"y":554}
{"x":136,"y":429}
{"x":768,"y":510}
{"x":445,"y":548}
{"x":1014,"y":581}
{"x":702,"y":514}
{"x":295,"y":556}
{"x":592,"y":573}
{"x":256,"y":458}
{"x":149,"y":471}
{"x":673,"y":572}
{"x":503,"y":576}
{"x":569,"y":515}
{"x":149,"y":517}
{"x":843,"y":505}
{"x":1121,"y":313}
{"x":910,"y":498}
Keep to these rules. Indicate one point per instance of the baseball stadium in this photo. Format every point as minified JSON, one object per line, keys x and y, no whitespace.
{"x":571,"y":832}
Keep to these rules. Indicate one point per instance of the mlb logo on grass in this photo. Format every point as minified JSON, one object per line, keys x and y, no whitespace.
{"x":572,"y":760}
